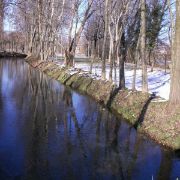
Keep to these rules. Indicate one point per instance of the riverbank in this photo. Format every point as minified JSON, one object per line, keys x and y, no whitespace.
{"x":143,"y":111}
{"x":12,"y":54}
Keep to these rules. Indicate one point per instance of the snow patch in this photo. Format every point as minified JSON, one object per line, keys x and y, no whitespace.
{"x":158,"y":80}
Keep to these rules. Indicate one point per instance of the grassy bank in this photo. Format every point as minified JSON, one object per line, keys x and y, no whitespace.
{"x":141,"y":110}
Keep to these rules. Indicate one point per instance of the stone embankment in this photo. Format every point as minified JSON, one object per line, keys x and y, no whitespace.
{"x":141,"y":110}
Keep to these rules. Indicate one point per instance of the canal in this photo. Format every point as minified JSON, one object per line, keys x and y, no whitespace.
{"x":48,"y":131}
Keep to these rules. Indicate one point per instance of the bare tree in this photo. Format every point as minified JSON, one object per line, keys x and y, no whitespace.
{"x":2,"y":4}
{"x":77,"y":25}
{"x":94,"y":32}
{"x":106,"y":19}
{"x":143,"y":46}
{"x":175,"y":81}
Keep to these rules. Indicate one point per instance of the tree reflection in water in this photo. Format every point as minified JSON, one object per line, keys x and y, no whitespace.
{"x":64,"y":135}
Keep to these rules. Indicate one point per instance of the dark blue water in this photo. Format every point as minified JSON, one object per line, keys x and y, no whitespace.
{"x":48,"y":131}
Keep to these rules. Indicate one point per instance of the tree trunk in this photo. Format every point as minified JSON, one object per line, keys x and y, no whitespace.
{"x":143,"y":46}
{"x":111,"y":60}
{"x":153,"y":62}
{"x":69,"y":57}
{"x":175,"y":80}
{"x":165,"y":64}
{"x":121,"y":63}
{"x":115,"y":69}
{"x":105,"y":40}
{"x":1,"y":18}
{"x":135,"y":69}
{"x":88,"y":49}
{"x":94,"y":54}
{"x":91,"y":57}
{"x":98,"y":53}
{"x":40,"y":28}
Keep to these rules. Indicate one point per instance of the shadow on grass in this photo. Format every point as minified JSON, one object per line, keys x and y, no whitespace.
{"x":143,"y":112}
{"x":112,"y":96}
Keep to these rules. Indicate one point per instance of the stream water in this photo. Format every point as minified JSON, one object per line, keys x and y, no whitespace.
{"x":48,"y":131}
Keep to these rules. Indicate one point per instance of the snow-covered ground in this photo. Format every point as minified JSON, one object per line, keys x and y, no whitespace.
{"x":158,"y":80}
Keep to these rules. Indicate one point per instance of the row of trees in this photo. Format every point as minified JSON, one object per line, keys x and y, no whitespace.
{"x":117,"y":30}
{"x":45,"y":22}
{"x":1,"y":17}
